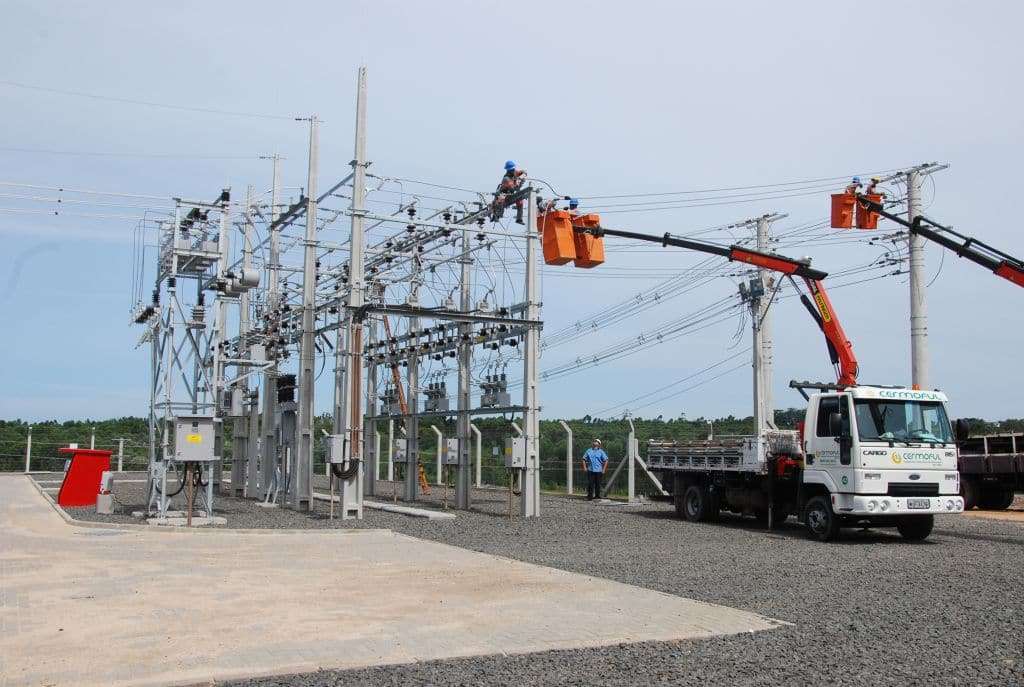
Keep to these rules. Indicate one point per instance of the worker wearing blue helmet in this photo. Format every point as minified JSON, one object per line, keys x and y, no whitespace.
{"x":510,"y":183}
{"x":853,"y":186}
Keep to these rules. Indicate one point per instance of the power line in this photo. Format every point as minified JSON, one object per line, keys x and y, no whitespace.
{"x":93,"y":153}
{"x":147,"y":103}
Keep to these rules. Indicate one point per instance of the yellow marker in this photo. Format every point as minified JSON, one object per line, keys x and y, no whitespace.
{"x":194,"y":438}
{"x":825,"y":314}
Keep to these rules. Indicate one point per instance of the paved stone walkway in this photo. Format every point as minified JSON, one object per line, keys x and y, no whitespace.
{"x":89,"y":606}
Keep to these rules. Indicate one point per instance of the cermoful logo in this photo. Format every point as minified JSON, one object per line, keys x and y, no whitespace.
{"x":906,"y":394}
{"x":914,"y":457}
{"x":826,"y":316}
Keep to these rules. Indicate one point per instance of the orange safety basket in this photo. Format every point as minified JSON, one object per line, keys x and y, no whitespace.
{"x":865,"y":218}
{"x":589,"y":248}
{"x":842,"y":210}
{"x":555,"y":227}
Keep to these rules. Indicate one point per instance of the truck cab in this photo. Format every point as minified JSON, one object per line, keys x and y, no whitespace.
{"x":879,"y":457}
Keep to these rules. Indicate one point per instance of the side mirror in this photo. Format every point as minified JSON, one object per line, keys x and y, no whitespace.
{"x":835,"y":425}
{"x":963,"y":429}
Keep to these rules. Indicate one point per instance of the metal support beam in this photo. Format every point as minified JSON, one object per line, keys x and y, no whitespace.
{"x":465,"y":353}
{"x":568,"y":457}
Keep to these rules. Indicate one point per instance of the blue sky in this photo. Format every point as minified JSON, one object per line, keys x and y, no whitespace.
{"x":634,"y":98}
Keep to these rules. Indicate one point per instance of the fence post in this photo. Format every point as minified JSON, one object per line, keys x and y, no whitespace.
{"x":440,"y":439}
{"x":391,"y":450}
{"x":28,"y":451}
{"x":92,"y":439}
{"x":568,"y":457}
{"x":120,"y":455}
{"x":479,"y":452}
{"x":631,"y":467}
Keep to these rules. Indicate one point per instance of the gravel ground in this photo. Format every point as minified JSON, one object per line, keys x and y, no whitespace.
{"x":867,"y":610}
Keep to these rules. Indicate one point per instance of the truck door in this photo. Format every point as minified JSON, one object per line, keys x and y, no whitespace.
{"x":829,"y":444}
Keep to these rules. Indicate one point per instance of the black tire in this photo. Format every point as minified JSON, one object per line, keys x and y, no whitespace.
{"x":696,"y":504}
{"x":969,"y":490}
{"x":822,"y":523}
{"x":996,"y":498}
{"x":915,"y":527}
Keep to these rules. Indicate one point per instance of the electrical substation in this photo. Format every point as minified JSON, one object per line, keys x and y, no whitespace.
{"x":399,"y":308}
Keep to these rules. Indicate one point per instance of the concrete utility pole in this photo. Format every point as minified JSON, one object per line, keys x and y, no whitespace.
{"x":531,"y":404}
{"x":760,"y":297}
{"x":268,"y":449}
{"x":918,"y":306}
{"x":351,"y":490}
{"x":465,"y":353}
{"x":300,"y":487}
{"x":372,"y":466}
{"x":240,"y":430}
{"x":28,"y":451}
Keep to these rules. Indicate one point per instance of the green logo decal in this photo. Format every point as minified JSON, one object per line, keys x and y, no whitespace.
{"x":845,"y":480}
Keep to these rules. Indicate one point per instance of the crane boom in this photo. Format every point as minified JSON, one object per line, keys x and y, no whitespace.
{"x":819,"y":305}
{"x":996,"y":261}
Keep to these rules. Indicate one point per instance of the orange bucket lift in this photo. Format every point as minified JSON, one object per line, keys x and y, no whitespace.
{"x":589,"y":249}
{"x":865,"y":218}
{"x":555,"y":227}
{"x":842,"y":210}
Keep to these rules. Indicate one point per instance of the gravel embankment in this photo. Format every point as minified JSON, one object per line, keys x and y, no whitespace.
{"x":869,"y":610}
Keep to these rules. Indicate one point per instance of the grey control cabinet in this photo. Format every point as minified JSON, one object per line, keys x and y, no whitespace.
{"x":193,"y":439}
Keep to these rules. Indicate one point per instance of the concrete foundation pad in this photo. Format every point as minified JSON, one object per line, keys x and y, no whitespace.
{"x":409,"y":510}
{"x":183,"y":522}
{"x":263,"y":504}
{"x":88,"y":607}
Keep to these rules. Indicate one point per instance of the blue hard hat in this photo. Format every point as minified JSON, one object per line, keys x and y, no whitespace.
{"x":573,"y":203}
{"x":510,"y":164}
{"x":856,"y":180}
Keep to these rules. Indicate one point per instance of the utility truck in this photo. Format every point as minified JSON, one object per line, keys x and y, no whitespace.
{"x":864,"y":456}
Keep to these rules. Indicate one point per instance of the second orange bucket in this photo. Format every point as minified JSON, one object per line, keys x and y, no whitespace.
{"x":589,"y":249}
{"x":865,"y":218}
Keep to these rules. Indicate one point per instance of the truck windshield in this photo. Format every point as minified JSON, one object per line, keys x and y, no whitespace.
{"x":905,"y":421}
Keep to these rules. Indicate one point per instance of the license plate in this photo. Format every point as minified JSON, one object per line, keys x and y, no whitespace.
{"x":921,"y":504}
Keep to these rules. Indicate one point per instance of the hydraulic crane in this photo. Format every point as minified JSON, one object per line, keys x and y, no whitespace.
{"x":978,"y":252}
{"x":839,"y":346}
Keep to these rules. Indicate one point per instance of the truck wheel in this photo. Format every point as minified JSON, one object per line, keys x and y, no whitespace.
{"x":969,"y":490}
{"x":915,"y":527}
{"x":821,"y":521}
{"x":696,"y":504}
{"x":996,"y":498}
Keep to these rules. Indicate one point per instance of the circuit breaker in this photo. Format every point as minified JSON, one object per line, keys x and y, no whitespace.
{"x":193,"y":439}
{"x":515,"y":452}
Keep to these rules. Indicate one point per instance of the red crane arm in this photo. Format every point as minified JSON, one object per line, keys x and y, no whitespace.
{"x":839,"y":346}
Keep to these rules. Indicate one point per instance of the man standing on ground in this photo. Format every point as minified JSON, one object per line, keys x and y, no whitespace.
{"x":595,"y":462}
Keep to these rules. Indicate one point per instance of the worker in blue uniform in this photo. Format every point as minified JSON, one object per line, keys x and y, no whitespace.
{"x":595,"y":462}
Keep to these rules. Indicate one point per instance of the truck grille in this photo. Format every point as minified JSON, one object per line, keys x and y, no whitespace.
{"x":913,"y":489}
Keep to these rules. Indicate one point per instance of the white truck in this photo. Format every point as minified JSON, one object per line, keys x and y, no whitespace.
{"x":866,"y":456}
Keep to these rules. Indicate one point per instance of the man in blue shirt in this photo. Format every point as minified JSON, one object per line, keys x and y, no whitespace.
{"x":595,"y":462}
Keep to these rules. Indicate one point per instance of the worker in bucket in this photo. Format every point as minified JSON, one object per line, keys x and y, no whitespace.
{"x":595,"y":462}
{"x":853,"y":186}
{"x":872,"y":188}
{"x":511,"y":182}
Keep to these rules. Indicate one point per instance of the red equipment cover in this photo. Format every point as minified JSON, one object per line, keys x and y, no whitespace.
{"x":82,"y":480}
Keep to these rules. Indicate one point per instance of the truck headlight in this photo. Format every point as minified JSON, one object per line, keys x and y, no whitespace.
{"x":952,"y":476}
{"x":949,"y":504}
{"x":871,"y":505}
{"x":884,"y":506}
